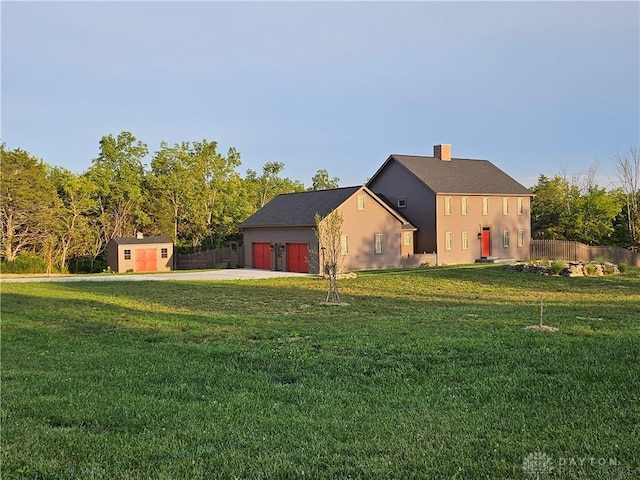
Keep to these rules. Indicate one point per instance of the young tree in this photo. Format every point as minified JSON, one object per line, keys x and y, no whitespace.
{"x":329,"y":234}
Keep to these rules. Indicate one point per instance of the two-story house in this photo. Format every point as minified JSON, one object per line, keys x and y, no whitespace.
{"x":464,"y":210}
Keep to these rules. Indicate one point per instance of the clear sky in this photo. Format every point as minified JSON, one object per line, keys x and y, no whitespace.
{"x":535,"y":87}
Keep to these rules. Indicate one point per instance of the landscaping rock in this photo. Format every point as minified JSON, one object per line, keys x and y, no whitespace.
{"x":573,"y":269}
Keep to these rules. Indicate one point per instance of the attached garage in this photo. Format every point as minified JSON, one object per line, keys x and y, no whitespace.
{"x":261,"y":255}
{"x":298,"y":257}
{"x":140,"y":254}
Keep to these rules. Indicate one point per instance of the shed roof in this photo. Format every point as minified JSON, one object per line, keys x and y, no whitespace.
{"x":300,"y":208}
{"x":140,"y":241}
{"x":458,"y":176}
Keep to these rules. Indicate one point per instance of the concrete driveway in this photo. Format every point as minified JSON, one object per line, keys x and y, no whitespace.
{"x":227,"y":274}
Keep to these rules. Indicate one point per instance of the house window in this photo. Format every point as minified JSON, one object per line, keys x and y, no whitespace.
{"x":520,"y":206}
{"x":505,"y":239}
{"x":360,"y":202}
{"x":407,"y":238}
{"x":465,"y":240}
{"x":127,"y":254}
{"x":447,"y":205}
{"x":164,"y":252}
{"x":485,"y":206}
{"x":402,"y":203}
{"x":521,"y":238}
{"x":344,"y":244}
{"x":378,"y":243}
{"x":505,"y":206}
{"x":465,"y":205}
{"x":448,"y":240}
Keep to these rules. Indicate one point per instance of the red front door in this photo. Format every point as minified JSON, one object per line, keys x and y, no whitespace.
{"x":262,"y":256}
{"x":297,"y":257}
{"x":486,"y":242}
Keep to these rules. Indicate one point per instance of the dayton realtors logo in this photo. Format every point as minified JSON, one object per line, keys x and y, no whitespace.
{"x":538,"y":464}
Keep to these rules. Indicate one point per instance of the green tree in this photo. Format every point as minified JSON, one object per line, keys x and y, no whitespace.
{"x":118,"y":175}
{"x":172,"y":183}
{"x":212,"y":173}
{"x":321,"y":181}
{"x":598,"y":211}
{"x":555,"y":208}
{"x":262,"y":189}
{"x":74,"y":233}
{"x":29,"y":202}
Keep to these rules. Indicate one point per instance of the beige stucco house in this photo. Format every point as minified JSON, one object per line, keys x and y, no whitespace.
{"x":464,"y":210}
{"x":140,"y":254}
{"x":280,"y":236}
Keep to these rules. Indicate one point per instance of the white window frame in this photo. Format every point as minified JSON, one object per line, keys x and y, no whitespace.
{"x":505,"y":238}
{"x":407,"y":237}
{"x":520,"y":206}
{"x":465,"y":240}
{"x":447,"y":205}
{"x":361,"y":202}
{"x":448,"y":240}
{"x":485,"y":205}
{"x":344,"y":244}
{"x":127,"y":254}
{"x":520,"y":238}
{"x":402,"y":203}
{"x":465,"y":206}
{"x":378,"y":246}
{"x":505,"y":206}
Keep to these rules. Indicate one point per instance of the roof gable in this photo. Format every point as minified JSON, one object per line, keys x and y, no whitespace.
{"x":458,"y":176}
{"x":300,"y":209}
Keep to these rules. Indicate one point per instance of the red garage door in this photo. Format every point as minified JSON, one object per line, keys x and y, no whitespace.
{"x":297,"y":257}
{"x":145,"y":259}
{"x":261,"y":256}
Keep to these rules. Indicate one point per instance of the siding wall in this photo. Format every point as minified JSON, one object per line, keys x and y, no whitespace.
{"x":456,"y":223}
{"x":361,"y":227}
{"x":398,"y":183}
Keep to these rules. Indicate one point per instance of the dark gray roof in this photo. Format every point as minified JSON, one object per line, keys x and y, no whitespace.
{"x":140,"y":241}
{"x":460,"y":176}
{"x":299,"y":209}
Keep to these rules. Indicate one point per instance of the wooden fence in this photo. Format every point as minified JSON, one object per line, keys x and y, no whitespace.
{"x":576,"y":251}
{"x":227,"y":257}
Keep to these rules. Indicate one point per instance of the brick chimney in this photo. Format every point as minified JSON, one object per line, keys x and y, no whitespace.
{"x":442,"y":151}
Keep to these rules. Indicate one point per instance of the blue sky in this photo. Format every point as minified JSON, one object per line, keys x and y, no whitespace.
{"x":535,"y":87}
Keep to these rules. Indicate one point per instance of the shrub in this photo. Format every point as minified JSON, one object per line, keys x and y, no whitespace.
{"x":25,"y":263}
{"x":557,"y":267}
{"x":590,"y":269}
{"x":622,"y":267}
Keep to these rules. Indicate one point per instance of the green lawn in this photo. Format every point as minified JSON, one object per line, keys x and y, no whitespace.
{"x":426,"y":374}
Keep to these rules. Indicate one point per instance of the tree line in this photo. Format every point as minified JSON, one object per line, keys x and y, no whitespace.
{"x":195,"y":195}
{"x":190,"y":192}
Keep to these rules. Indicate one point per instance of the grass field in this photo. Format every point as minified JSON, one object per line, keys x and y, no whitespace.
{"x":426,"y":373}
